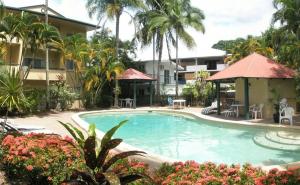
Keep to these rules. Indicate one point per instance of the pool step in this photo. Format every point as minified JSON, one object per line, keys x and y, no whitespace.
{"x":274,"y":141}
{"x":289,"y":135}
{"x":275,"y":137}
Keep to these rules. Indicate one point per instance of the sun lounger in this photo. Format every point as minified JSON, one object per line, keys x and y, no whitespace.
{"x":211,"y":109}
{"x":10,"y":127}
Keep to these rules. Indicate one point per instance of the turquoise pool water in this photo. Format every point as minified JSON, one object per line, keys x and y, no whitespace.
{"x":186,"y":138}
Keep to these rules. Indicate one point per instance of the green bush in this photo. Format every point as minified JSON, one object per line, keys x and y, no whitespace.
{"x":36,"y":99}
{"x":61,"y":95}
{"x":40,"y":158}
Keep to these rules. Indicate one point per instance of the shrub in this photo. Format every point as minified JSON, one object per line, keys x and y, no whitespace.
{"x":100,"y":164}
{"x":61,"y":94}
{"x":191,"y":172}
{"x":36,"y":99}
{"x":40,"y":158}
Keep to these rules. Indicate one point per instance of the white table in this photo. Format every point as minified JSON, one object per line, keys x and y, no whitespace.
{"x":124,"y":102}
{"x":236,"y":106}
{"x":180,"y":101}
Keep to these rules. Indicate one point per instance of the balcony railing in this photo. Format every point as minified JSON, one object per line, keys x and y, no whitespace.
{"x":40,"y":74}
{"x":194,"y":68}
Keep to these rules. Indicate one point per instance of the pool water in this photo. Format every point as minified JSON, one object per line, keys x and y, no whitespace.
{"x":186,"y":138}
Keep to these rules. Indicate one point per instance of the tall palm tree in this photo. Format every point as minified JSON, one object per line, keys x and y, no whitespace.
{"x":10,"y":26}
{"x":148,"y":34}
{"x":113,"y":10}
{"x":288,"y":13}
{"x":27,"y":33}
{"x":177,"y":16}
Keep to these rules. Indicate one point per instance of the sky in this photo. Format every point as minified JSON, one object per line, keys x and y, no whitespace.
{"x":225,"y":19}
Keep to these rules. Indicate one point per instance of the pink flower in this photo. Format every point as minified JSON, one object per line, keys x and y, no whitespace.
{"x":29,"y":167}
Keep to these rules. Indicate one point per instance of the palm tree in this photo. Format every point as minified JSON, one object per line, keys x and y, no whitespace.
{"x":148,"y":34}
{"x":10,"y":26}
{"x":113,"y":10}
{"x":288,"y":13}
{"x":177,"y":15}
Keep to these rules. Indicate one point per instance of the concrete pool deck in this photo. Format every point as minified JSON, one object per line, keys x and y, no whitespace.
{"x":50,"y":122}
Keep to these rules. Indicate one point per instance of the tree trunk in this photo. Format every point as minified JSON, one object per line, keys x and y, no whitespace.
{"x":158,"y":65}
{"x":117,"y":56}
{"x":176,"y":65}
{"x":153,"y":54}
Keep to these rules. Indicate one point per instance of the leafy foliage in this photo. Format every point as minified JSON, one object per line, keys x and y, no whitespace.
{"x":200,"y":92}
{"x":100,"y":166}
{"x":209,"y":173}
{"x":40,"y":158}
{"x":61,"y":95}
{"x":11,"y":91}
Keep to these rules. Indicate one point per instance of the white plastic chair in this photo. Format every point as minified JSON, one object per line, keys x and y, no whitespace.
{"x":286,"y":114}
{"x":229,"y":112}
{"x":128,"y":102}
{"x":252,"y":108}
{"x":258,"y":111}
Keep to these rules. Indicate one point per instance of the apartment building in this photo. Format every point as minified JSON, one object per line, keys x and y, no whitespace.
{"x":37,"y":63}
{"x":167,"y":71}
{"x":211,"y":64}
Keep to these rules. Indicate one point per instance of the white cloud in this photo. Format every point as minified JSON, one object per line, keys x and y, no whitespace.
{"x":225,"y":19}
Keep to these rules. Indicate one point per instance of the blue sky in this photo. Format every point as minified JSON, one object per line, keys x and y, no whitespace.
{"x":225,"y":19}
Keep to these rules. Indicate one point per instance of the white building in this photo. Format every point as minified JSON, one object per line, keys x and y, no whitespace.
{"x":167,"y":71}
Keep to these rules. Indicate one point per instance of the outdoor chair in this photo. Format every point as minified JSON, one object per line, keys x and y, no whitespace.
{"x":170,"y":101}
{"x":10,"y":127}
{"x":128,"y":102}
{"x":211,"y":109}
{"x":258,"y":111}
{"x":252,"y":108}
{"x":286,"y":114}
{"x":229,"y":112}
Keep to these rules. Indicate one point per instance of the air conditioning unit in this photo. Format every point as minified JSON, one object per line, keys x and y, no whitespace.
{"x":161,"y":67}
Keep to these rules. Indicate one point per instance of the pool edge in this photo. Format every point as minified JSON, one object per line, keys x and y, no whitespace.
{"x":155,"y":160}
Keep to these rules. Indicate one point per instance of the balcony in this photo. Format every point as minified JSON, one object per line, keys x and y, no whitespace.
{"x":195,"y":68}
{"x":40,"y":74}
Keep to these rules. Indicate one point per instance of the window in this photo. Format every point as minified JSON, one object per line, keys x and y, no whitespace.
{"x":211,"y":65}
{"x":70,"y":65}
{"x":38,"y":64}
{"x":27,"y":62}
{"x":166,"y":76}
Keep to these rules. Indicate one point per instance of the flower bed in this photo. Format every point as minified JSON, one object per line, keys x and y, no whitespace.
{"x":51,"y":159}
{"x":40,"y":158}
{"x":192,"y":173}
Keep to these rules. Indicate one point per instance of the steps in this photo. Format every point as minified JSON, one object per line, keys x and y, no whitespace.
{"x":287,"y":141}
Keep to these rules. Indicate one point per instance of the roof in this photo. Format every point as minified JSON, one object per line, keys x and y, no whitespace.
{"x":254,"y":66}
{"x":132,"y":74}
{"x":42,"y":6}
{"x":87,"y":25}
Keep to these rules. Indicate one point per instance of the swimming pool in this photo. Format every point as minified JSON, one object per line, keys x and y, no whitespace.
{"x":184,"y":137}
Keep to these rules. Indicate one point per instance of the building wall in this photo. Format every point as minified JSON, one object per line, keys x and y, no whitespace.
{"x":260,"y":92}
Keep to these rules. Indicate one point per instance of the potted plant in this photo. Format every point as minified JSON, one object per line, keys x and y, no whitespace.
{"x":275,"y":101}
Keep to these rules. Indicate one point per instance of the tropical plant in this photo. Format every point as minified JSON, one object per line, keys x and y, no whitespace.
{"x":178,"y":15}
{"x":11,"y":92}
{"x":61,"y":95}
{"x":97,"y":158}
{"x":112,"y":9}
{"x":39,"y":158}
{"x":201,"y":90}
{"x":288,"y":15}
{"x":247,"y":47}
{"x":10,"y":29}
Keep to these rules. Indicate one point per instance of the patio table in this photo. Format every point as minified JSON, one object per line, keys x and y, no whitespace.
{"x":180,"y":101}
{"x":236,"y":106}
{"x":122,"y":102}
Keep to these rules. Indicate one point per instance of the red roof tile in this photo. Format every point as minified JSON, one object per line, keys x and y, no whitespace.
{"x":132,"y":74}
{"x":254,"y":66}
